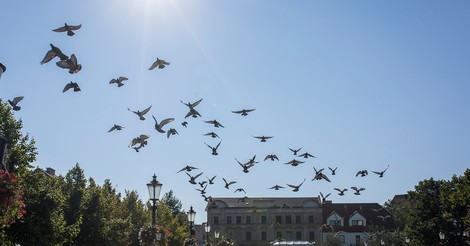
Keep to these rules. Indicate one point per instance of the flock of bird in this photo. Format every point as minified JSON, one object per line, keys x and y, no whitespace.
{"x":139,"y":142}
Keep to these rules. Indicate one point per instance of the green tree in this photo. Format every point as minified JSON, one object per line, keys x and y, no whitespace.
{"x":172,"y":202}
{"x":133,"y":209}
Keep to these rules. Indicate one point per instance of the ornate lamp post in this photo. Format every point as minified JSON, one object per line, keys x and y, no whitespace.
{"x":407,"y":240}
{"x":154,"y":188}
{"x":442,"y":236}
{"x":216,"y":235}
{"x":207,"y":228}
{"x":191,"y":218}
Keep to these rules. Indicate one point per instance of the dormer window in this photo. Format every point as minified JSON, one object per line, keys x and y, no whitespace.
{"x":357,"y":222}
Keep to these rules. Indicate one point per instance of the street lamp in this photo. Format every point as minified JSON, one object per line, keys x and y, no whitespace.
{"x":207,"y":228}
{"x":407,"y":240}
{"x":442,"y":236}
{"x":154,"y":188}
{"x":191,"y":217}
{"x":216,"y":235}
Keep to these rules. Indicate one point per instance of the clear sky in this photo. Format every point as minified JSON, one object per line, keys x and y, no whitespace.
{"x":359,"y":84}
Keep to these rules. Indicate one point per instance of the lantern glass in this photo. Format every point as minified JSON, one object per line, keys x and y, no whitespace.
{"x":154,"y":188}
{"x":191,"y":215}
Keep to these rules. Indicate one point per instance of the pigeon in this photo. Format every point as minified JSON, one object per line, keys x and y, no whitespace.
{"x":323,"y":198}
{"x":384,"y":217}
{"x":203,"y":190}
{"x":142,"y":140}
{"x":263,"y":138}
{"x":227,"y":184}
{"x":202,"y":183}
{"x":185,"y":124}
{"x":295,"y":150}
{"x":53,"y":52}
{"x":214,"y":122}
{"x":116,"y":127}
{"x":158,"y":126}
{"x":192,"y":105}
{"x":71,"y":85}
{"x":252,"y":160}
{"x":240,"y":190}
{"x":277,"y":187}
{"x":187,"y":168}
{"x":333,"y":171}
{"x":381,"y":174}
{"x":272,"y":157}
{"x":358,"y":191}
{"x":211,"y":180}
{"x":118,"y":81}
{"x":214,"y":149}
{"x":192,"y":179}
{"x":243,"y":112}
{"x":2,"y":69}
{"x":341,"y":192}
{"x":171,"y":131}
{"x":245,"y":166}
{"x":141,"y":114}
{"x":363,"y":173}
{"x":193,"y":113}
{"x":294,"y":162}
{"x":307,"y":155}
{"x":296,"y":187}
{"x":71,"y":64}
{"x":67,"y":28}
{"x":212,"y":134}
{"x":319,"y":175}
{"x":159,"y":63}
{"x":14,"y":103}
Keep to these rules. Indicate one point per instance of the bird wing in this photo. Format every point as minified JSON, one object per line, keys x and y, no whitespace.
{"x":357,"y":174}
{"x":232,"y":182}
{"x":377,"y":172}
{"x":207,"y":145}
{"x":224,"y":180}
{"x":154,"y":65}
{"x":144,"y":137}
{"x":67,"y":87}
{"x":210,"y":121}
{"x":146,"y":110}
{"x":73,"y":58}
{"x":63,"y":64}
{"x":122,"y":78}
{"x":196,"y":103}
{"x":237,"y":112}
{"x":354,"y":188}
{"x":75,"y":27}
{"x":165,"y":121}
{"x":216,"y":147}
{"x":112,"y":81}
{"x":325,"y":177}
{"x":60,"y":29}
{"x":112,"y":128}
{"x":17,"y":100}
{"x":337,"y":189}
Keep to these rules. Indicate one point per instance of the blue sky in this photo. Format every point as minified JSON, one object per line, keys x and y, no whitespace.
{"x":359,"y":84}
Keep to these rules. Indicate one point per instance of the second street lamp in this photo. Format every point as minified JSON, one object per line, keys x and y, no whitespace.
{"x":207,"y":228}
{"x":154,"y":188}
{"x":191,"y":218}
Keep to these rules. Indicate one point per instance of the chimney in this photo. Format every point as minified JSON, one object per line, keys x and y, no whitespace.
{"x":50,"y":171}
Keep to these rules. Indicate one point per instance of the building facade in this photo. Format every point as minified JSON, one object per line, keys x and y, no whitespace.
{"x":258,"y":221}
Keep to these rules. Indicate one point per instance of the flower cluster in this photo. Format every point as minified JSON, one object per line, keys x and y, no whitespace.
{"x":11,"y":199}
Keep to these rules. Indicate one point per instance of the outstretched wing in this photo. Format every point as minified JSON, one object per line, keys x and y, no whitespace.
{"x":146,"y":110}
{"x":165,"y":121}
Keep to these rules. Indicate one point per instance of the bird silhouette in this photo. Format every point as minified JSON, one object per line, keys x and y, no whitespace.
{"x":319,"y":175}
{"x":243,"y":112}
{"x":212,"y":134}
{"x":263,"y":138}
{"x":277,"y":187}
{"x":323,"y":198}
{"x":333,"y":171}
{"x":185,"y":124}
{"x":271,"y":157}
{"x":295,"y":150}
{"x":294,"y":162}
{"x":363,"y":173}
{"x":203,"y":190}
{"x":52,"y":53}
{"x":141,"y":114}
{"x":341,"y":192}
{"x":202,"y":183}
{"x":192,"y":179}
{"x":296,"y":187}
{"x":71,"y":85}
{"x":227,"y":184}
{"x":115,"y":127}
{"x":214,"y":122}
{"x":67,"y":28}
{"x":2,"y":69}
{"x":192,"y":112}
{"x":240,"y":190}
{"x":118,"y":81}
{"x":71,"y":64}
{"x":187,"y":168}
{"x":170,"y":132}
{"x":159,"y":63}
{"x":214,"y":149}
{"x":142,"y":140}
{"x":245,"y":166}
{"x":358,"y":190}
{"x":211,"y":180}
{"x":377,"y":209}
{"x":158,"y":126}
{"x":14,"y":103}
{"x":381,"y":174}
{"x":307,"y":155}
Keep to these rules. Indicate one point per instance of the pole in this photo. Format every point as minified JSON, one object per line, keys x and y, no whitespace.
{"x":154,"y":209}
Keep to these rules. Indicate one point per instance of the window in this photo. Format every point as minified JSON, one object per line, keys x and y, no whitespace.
{"x":288,"y":219}
{"x":358,"y":239}
{"x":216,"y":220}
{"x":298,"y":235}
{"x":311,"y":236}
{"x":279,"y":234}
{"x":229,"y":220}
{"x":334,"y":222}
{"x":279,"y":219}
{"x":357,"y":223}
{"x":264,"y":236}
{"x":298,"y":219}
{"x":248,"y":235}
{"x":263,"y":219}
{"x":341,"y":238}
{"x":288,"y":235}
{"x":310,"y":219}
{"x":248,"y":219}
{"x":239,"y":219}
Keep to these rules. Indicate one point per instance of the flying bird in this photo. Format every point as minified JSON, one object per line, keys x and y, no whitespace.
{"x":245,"y":166}
{"x":277,"y":187}
{"x":71,"y":85}
{"x":272,"y":157}
{"x":263,"y":138}
{"x":211,"y":180}
{"x":68,"y":28}
{"x":240,"y":190}
{"x":158,"y":126}
{"x":358,"y":190}
{"x":363,"y":173}
{"x":187,"y":168}
{"x":323,"y":198}
{"x":192,"y":179}
{"x":141,"y":114}
{"x":333,"y":171}
{"x":185,"y":124}
{"x":295,"y":150}
{"x":319,"y":175}
{"x":203,"y":190}
{"x":294,"y":162}
{"x":53,"y":52}
{"x":202,"y":184}
{"x":2,"y":69}
{"x":14,"y":103}
{"x":159,"y":63}
{"x":192,"y":112}
{"x":377,"y":209}
{"x":341,"y":192}
{"x":227,"y":184}
{"x":214,"y":149}
{"x":171,"y":131}
{"x":214,"y":122}
{"x":296,"y":187}
{"x":115,"y":127}
{"x":142,"y":140}
{"x":212,"y":134}
{"x":118,"y":81}
{"x":381,"y":174}
{"x":243,"y":112}
{"x":71,"y":64}
{"x":307,"y":155}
